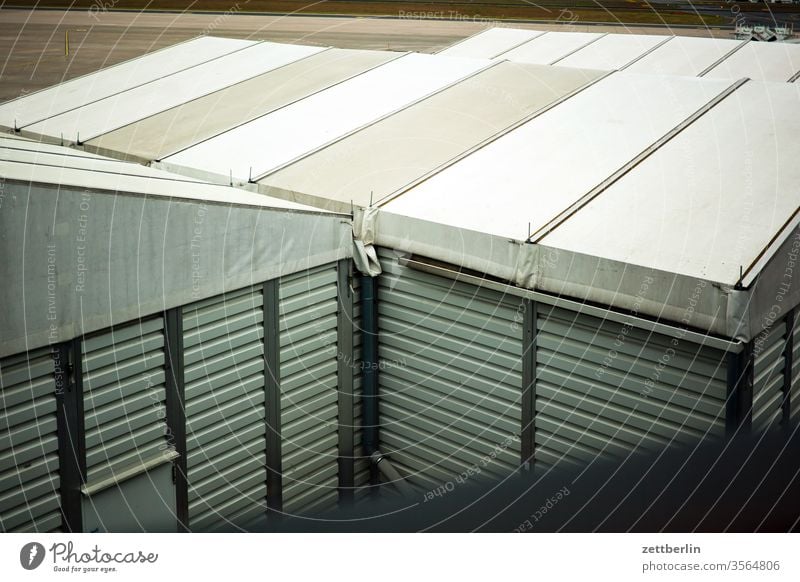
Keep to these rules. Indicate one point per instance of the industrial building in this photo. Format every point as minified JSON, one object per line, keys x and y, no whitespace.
{"x":252,"y":281}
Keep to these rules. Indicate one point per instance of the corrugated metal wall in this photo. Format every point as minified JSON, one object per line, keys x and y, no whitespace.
{"x":606,"y":389}
{"x":223,"y":342}
{"x":768,"y":378}
{"x":29,"y":464}
{"x":309,"y":382}
{"x":124,"y":397}
{"x":450,"y":376}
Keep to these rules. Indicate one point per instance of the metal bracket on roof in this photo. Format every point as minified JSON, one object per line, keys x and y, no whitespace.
{"x":723,"y":58}
{"x":580,"y":48}
{"x":565,"y":214}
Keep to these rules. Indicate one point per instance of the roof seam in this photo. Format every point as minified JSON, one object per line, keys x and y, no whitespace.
{"x":135,"y":86}
{"x":463,"y":40}
{"x":497,"y":56}
{"x":398,"y":57}
{"x":722,"y":59}
{"x":794,"y":77}
{"x":197,"y":98}
{"x":356,"y":130}
{"x":575,"y":207}
{"x":519,"y":44}
{"x":580,"y":48}
{"x":647,"y":52}
{"x":519,"y":123}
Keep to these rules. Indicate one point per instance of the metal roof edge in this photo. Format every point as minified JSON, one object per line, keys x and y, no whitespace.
{"x":686,"y":304}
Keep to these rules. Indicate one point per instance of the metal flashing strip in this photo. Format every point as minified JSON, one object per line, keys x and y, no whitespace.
{"x":272,"y":402}
{"x":427,"y":176}
{"x":134,"y":86}
{"x":519,"y":44}
{"x":794,"y":77}
{"x":399,"y":56}
{"x":373,"y":122}
{"x":344,"y":342}
{"x":647,"y":52}
{"x":128,"y":473}
{"x":722,"y":58}
{"x":528,"y":401}
{"x":565,"y":214}
{"x":572,"y":305}
{"x":580,"y":48}
{"x":498,"y":55}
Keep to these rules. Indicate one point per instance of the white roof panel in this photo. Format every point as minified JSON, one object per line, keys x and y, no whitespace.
{"x":524,"y":179}
{"x":685,"y":55}
{"x":389,"y":155}
{"x":764,"y":61}
{"x":280,"y":137}
{"x":118,"y":110}
{"x":612,"y":52}
{"x":171,"y":131}
{"x":550,"y":47}
{"x":109,"y":81}
{"x":490,"y":43}
{"x":710,"y":199}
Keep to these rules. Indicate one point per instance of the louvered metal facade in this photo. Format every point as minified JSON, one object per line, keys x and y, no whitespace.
{"x":29,"y":461}
{"x":606,"y":389}
{"x":450,"y":371}
{"x":308,"y":384}
{"x":124,"y":397}
{"x":223,"y":342}
{"x":768,"y":376}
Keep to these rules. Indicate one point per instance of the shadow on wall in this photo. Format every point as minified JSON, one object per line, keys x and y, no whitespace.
{"x":745,"y":485}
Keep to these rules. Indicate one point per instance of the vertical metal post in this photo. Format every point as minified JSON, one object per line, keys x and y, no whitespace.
{"x":788,"y":354}
{"x":71,"y":434}
{"x":528,"y":429}
{"x":176,"y":411}
{"x":344,"y":325}
{"x":272,"y":386}
{"x":739,"y":413}
{"x":369,"y":357}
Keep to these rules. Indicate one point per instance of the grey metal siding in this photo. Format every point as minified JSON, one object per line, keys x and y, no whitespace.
{"x":768,"y":378}
{"x":223,"y":341}
{"x":29,"y":471}
{"x":309,"y":399}
{"x":124,"y":397}
{"x":606,"y":389}
{"x":450,"y":376}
